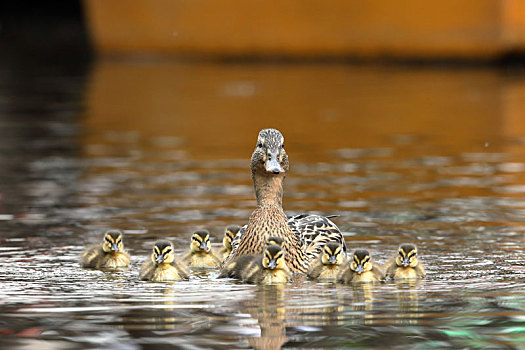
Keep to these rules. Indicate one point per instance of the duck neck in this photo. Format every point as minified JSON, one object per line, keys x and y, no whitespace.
{"x":268,"y":189}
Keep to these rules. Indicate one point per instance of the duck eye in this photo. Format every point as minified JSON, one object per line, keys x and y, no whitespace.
{"x":259,"y":144}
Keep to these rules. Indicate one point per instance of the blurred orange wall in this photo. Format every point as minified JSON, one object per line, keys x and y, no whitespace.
{"x":371,"y":28}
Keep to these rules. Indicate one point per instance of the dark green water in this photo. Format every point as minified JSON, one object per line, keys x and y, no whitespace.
{"x":431,"y":156}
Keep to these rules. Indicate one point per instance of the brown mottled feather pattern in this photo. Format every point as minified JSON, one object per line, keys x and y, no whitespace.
{"x":267,"y":221}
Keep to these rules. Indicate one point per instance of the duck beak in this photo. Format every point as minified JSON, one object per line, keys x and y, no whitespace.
{"x":360,"y":269}
{"x":406,"y":263}
{"x":332,"y":260}
{"x":203,"y":246}
{"x":272,"y":264}
{"x":160,"y":259}
{"x":273,"y":165}
{"x":114,"y":247}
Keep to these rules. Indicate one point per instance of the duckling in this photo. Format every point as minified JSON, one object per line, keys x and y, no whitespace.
{"x":268,"y":268}
{"x":361,"y":269}
{"x":278,"y":241}
{"x":229,"y":235}
{"x":405,"y":264}
{"x":200,"y":253}
{"x":163,"y":266}
{"x":236,"y":268}
{"x":329,"y":263}
{"x":110,"y":254}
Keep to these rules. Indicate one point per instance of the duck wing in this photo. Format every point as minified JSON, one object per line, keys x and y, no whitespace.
{"x":314,"y":232}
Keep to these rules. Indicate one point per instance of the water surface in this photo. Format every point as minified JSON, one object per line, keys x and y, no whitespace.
{"x":432,"y":156}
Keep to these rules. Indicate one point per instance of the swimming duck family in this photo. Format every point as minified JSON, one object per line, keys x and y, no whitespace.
{"x":271,"y":246}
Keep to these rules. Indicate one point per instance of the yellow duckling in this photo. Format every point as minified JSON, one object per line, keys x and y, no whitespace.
{"x":110,"y":254}
{"x":278,"y":241}
{"x":268,"y":268}
{"x":236,"y":268}
{"x":229,"y":235}
{"x":361,"y":269}
{"x":200,"y":253}
{"x":330,"y":263}
{"x":163,"y":266}
{"x":405,"y":264}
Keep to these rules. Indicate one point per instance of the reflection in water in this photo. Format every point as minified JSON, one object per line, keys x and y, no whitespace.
{"x":268,"y":308}
{"x":430,"y":156}
{"x":408,"y":300}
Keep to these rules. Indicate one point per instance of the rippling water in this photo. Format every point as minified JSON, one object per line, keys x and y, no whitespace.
{"x":432,"y":156}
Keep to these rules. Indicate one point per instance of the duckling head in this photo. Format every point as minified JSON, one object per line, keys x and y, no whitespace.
{"x":273,"y":258}
{"x":200,"y":242}
{"x":229,"y":235}
{"x":332,"y":254}
{"x":269,"y":156}
{"x":274,"y":240}
{"x":113,"y":241}
{"x":163,"y":253}
{"x":407,"y":255}
{"x":361,"y":261}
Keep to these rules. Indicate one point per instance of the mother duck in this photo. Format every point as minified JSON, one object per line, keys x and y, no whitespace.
{"x":304,"y":235}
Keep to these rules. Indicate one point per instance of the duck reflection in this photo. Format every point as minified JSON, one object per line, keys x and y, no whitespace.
{"x":267,"y":306}
{"x":408,"y":300}
{"x":363,"y":302}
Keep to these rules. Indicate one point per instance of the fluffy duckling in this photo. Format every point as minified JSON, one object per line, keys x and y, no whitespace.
{"x":361,"y":269}
{"x":200,"y":253}
{"x":110,"y":254}
{"x":405,"y":264}
{"x":329,"y":264}
{"x":229,"y":235}
{"x":278,"y":241}
{"x":236,"y":268}
{"x":268,"y":268}
{"x":163,"y":266}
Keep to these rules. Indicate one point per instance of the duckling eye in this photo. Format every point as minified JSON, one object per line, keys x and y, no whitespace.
{"x":108,"y":240}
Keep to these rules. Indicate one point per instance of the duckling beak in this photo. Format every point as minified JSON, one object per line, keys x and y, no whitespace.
{"x":332,"y":260}
{"x":203,"y":246}
{"x":360,"y":269}
{"x":114,"y":247}
{"x":272,"y":164}
{"x":160,"y":259}
{"x":406,"y":263}
{"x":272,"y":264}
